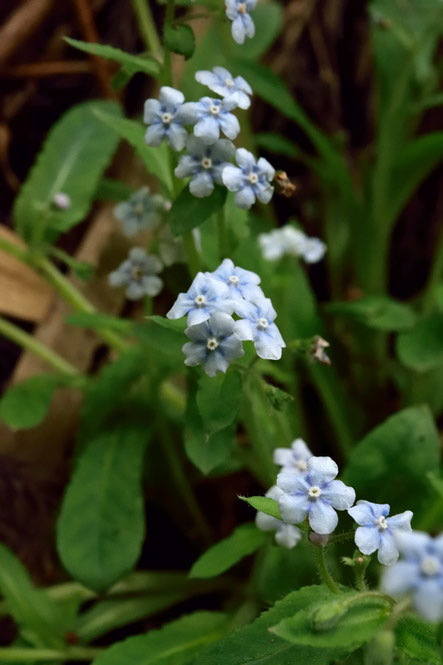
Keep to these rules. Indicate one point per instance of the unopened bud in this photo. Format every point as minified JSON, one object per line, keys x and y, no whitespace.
{"x":317,"y":350}
{"x":318,"y":539}
{"x":61,"y":201}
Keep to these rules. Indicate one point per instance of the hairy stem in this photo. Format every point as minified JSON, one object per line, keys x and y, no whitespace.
{"x":147,"y":26}
{"x":23,"y":654}
{"x":323,"y":570}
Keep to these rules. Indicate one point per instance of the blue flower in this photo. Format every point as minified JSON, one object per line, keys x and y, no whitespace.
{"x":242,"y":24}
{"x":204,"y":297}
{"x":205,"y":164}
{"x":224,"y":84}
{"x":294,"y":458}
{"x":286,"y":535}
{"x":212,"y":116}
{"x":242,"y":284}
{"x":250,"y":181}
{"x":257,"y":324}
{"x":377,"y":530}
{"x":313,"y":250}
{"x":419,"y":572}
{"x":165,"y":118}
{"x":141,"y":211}
{"x":293,"y":242}
{"x":138,"y":274}
{"x":314,"y":494}
{"x":213,"y":343}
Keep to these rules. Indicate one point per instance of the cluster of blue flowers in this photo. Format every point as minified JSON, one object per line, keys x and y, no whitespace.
{"x":307,"y":489}
{"x":293,"y":242}
{"x":216,"y":338}
{"x":208,"y":157}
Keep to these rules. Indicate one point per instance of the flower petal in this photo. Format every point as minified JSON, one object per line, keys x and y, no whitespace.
{"x":387,"y":551}
{"x":215,"y":362}
{"x":367,"y":539}
{"x":181,"y":306}
{"x":230,"y":125}
{"x":198,"y":315}
{"x":176,"y":136}
{"x":207,"y":128}
{"x":187,"y":166}
{"x":400,"y":578}
{"x":322,"y":517}
{"x":170,"y":96}
{"x":293,"y":508}
{"x":232,"y":347}
{"x":244,"y":329}
{"x":152,"y":285}
{"x":322,"y":470}
{"x":362,"y":513}
{"x":238,"y":30}
{"x":282,"y":456}
{"x":245,"y":198}
{"x":401,"y":521}
{"x":287,"y":536}
{"x":267,"y":523}
{"x":339,"y":495}
{"x":198,"y":333}
{"x":233,"y":178}
{"x":155,"y":134}
{"x":428,"y":600}
{"x":201,"y":185}
{"x":221,"y":324}
{"x":195,"y":353}
{"x":292,"y":482}
{"x":152,"y":110}
{"x":245,"y":159}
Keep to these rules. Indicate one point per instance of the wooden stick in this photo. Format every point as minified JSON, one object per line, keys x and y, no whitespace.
{"x":20,"y":25}
{"x":42,"y":69}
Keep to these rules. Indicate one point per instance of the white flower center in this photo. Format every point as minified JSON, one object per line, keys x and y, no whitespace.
{"x":229,"y":83}
{"x":233,"y":280}
{"x":262,"y":323}
{"x":301,"y":465}
{"x":206,"y":162}
{"x":253,"y":178}
{"x":166,"y":118}
{"x":138,"y":209}
{"x":241,"y":8}
{"x":381,"y":523}
{"x":211,"y":344}
{"x":214,"y":109}
{"x":200,"y":300}
{"x":430,"y":566}
{"x":314,"y":492}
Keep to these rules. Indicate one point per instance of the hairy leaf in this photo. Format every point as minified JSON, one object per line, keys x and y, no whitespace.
{"x":188,"y":211}
{"x":417,"y":639}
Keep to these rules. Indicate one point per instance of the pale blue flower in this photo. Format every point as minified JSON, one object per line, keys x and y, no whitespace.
{"x":294,"y":458}
{"x":204,"y":164}
{"x":204,"y":297}
{"x":138,"y":274}
{"x":377,"y":530}
{"x":286,"y":535}
{"x":242,"y":24}
{"x":251,"y":180}
{"x":141,"y":211}
{"x":293,"y":242}
{"x":257,"y":324}
{"x":165,"y":118}
{"x":419,"y":572}
{"x":314,"y":494}
{"x":313,"y":250}
{"x":232,"y":88}
{"x":242,"y":284}
{"x":213,"y":344}
{"x":212,"y":116}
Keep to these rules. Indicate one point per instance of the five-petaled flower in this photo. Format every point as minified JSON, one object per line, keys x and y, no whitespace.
{"x":286,"y":535}
{"x":294,"y":458}
{"x":222,"y":82}
{"x":213,"y":344}
{"x":257,"y":324}
{"x":242,"y":24}
{"x":377,"y":531}
{"x":242,"y":284}
{"x":419,"y":572}
{"x":250,"y":180}
{"x":141,"y":211}
{"x":165,"y":118}
{"x":138,"y":274}
{"x":204,"y":164}
{"x":212,"y":116}
{"x":204,"y":297}
{"x":291,"y":241}
{"x":314,"y":494}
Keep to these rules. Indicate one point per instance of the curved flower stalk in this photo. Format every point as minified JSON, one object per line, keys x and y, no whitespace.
{"x":232,"y":88}
{"x":242,"y":24}
{"x":286,"y":535}
{"x":138,"y":273}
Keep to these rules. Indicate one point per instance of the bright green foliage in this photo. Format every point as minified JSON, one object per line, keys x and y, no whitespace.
{"x":188,"y":212}
{"x":137,"y":63}
{"x":380,"y":650}
{"x":75,"y":154}
{"x":421,"y":348}
{"x":99,"y":321}
{"x":174,"y":644}
{"x":377,"y":312}
{"x":101,"y":525}
{"x":113,"y":190}
{"x":244,"y":540}
{"x":180,"y":39}
{"x":394,"y":457}
{"x":417,"y":639}
{"x":218,"y":400}
{"x":264,"y":504}
{"x":26,"y":403}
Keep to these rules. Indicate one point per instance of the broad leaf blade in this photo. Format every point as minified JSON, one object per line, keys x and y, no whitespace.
{"x":421,"y":348}
{"x":264,"y":504}
{"x":188,"y":211}
{"x":218,"y":400}
{"x":25,"y":404}
{"x":377,"y":312}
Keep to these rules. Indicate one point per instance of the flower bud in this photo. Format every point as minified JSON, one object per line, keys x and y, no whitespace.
{"x":318,"y":539}
{"x":61,"y":201}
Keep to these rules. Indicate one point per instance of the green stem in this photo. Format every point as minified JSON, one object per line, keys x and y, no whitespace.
{"x":194,"y":262}
{"x":31,"y":344}
{"x":435,"y":277}
{"x":20,"y":253}
{"x":323,"y":570}
{"x":223,"y":241}
{"x":169,"y":18}
{"x":23,"y":654}
{"x":147,"y":26}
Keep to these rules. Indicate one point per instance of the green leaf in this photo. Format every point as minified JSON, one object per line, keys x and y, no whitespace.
{"x":218,"y":400}
{"x":34,"y":612}
{"x":417,"y":639}
{"x":255,"y":645}
{"x":421,"y":348}
{"x":188,"y":211}
{"x":264,"y":504}
{"x":180,"y":39}
{"x":351,"y":627}
{"x":76,"y":152}
{"x":26,"y":403}
{"x":173,"y":644}
{"x":178,"y":325}
{"x":278,"y":144}
{"x":243,"y":541}
{"x":97,"y":320}
{"x":101,"y":526}
{"x":155,"y":160}
{"x":377,"y":312}
{"x":394,"y":457}
{"x":113,"y":190}
{"x":137,"y":63}
{"x":278,"y":398}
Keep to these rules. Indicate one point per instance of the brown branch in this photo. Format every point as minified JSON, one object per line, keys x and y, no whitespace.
{"x":42,"y":69}
{"x":20,"y":25}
